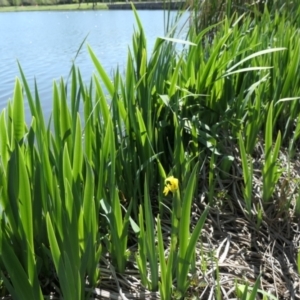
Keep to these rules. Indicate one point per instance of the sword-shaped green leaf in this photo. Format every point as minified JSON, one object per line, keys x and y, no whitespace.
{"x":18,"y":118}
{"x":106,"y":80}
{"x":78,"y":153}
{"x":25,"y":201}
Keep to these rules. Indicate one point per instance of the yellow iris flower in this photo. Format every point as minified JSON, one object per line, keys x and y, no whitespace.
{"x":171,"y":185}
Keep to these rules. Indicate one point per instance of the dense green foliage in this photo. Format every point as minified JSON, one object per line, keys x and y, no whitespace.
{"x":84,"y":192}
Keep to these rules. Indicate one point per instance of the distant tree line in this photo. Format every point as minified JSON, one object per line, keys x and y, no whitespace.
{"x":51,"y":2}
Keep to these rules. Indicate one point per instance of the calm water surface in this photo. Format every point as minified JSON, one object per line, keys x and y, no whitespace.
{"x":45,"y":43}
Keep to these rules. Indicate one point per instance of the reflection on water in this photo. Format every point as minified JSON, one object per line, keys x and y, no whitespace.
{"x":45,"y":43}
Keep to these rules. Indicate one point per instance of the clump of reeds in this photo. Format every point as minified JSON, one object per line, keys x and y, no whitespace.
{"x":177,"y":179}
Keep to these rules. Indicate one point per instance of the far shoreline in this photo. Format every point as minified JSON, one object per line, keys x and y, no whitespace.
{"x":58,"y":7}
{"x":159,"y":5}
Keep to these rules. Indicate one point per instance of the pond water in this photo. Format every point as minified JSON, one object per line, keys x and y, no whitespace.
{"x":45,"y":44}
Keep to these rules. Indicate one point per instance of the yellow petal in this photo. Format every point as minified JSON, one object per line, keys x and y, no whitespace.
{"x":172,"y":183}
{"x":166,"y":191}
